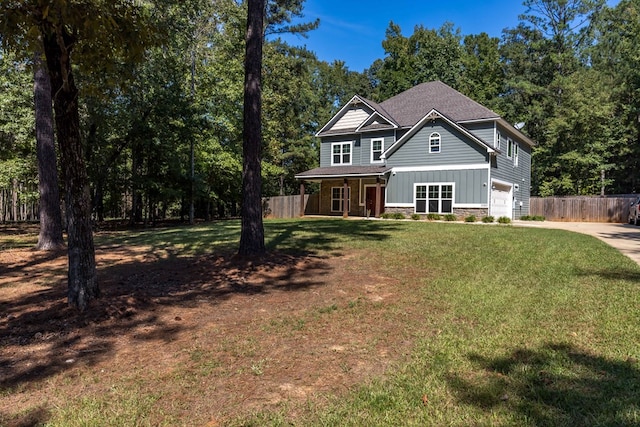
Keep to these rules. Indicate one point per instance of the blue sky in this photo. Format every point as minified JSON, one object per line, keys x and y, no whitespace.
{"x":353,"y":30}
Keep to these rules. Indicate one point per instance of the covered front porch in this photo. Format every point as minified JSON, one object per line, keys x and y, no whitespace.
{"x":348,"y":190}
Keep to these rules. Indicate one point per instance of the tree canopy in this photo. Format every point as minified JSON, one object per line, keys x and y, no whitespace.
{"x":568,"y":70}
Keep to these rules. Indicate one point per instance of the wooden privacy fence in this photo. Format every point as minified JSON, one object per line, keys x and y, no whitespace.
{"x":289,"y":206}
{"x":582,"y":209}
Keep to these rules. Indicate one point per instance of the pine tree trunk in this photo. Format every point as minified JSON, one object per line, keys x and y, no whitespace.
{"x":82,"y":278}
{"x":50,"y":237}
{"x":252,"y":234}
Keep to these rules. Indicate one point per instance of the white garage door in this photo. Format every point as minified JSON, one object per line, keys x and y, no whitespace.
{"x":501,"y":200}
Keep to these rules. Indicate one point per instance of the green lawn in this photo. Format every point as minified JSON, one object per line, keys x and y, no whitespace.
{"x":511,"y":326}
{"x":521,"y":326}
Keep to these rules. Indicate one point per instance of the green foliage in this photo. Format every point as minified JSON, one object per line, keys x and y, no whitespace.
{"x":532,"y":218}
{"x":424,"y":56}
{"x":488,"y":219}
{"x":434,"y":217}
{"x":576,"y":88}
{"x":393,"y":215}
{"x":415,"y":216}
{"x":17,"y":138}
{"x":470,"y":218}
{"x":450,"y":217}
{"x":504,"y":220}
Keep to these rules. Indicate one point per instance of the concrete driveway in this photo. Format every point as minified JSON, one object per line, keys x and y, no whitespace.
{"x":624,"y":237}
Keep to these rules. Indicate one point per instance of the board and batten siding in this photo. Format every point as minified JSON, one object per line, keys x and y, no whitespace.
{"x":455,"y":148}
{"x":486,"y":131}
{"x":470,"y":185}
{"x":351,"y":119}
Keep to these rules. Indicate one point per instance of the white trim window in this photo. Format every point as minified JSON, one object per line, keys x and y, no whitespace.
{"x":377,"y":147}
{"x":509,"y":148}
{"x":433,"y":198}
{"x":516,"y":148}
{"x":341,"y":153}
{"x":496,"y":144}
{"x":337,"y":198}
{"x":434,"y":143}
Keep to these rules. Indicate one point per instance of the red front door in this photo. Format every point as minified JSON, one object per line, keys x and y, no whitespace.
{"x":371,"y":200}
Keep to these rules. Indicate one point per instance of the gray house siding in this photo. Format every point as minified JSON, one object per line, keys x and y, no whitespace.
{"x":486,"y":131}
{"x":360,"y":149}
{"x":365,"y":154}
{"x":325,"y":148}
{"x":470,"y":185}
{"x":456,"y":148}
{"x":505,"y":170}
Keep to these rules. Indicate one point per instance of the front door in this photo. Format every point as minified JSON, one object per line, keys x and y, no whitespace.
{"x":371,"y":200}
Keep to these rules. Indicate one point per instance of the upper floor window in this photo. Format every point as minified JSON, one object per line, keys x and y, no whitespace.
{"x":496,"y":144}
{"x":377,"y":147}
{"x":515,"y":154}
{"x":337,"y":199}
{"x":341,"y":153}
{"x":510,"y":148}
{"x":434,"y":143}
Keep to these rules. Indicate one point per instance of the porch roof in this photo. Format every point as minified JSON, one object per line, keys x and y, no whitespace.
{"x":344,"y":172}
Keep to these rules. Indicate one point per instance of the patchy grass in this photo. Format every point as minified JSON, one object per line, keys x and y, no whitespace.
{"x":404,"y":323}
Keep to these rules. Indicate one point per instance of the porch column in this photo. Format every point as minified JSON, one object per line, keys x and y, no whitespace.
{"x":345,"y":199}
{"x":301,"y":199}
{"x":378,"y":194}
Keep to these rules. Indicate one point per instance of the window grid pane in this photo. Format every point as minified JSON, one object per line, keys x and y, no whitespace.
{"x":437,"y":198}
{"x":434,"y":143}
{"x":341,"y":153}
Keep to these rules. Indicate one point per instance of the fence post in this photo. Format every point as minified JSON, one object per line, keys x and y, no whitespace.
{"x":301,"y":199}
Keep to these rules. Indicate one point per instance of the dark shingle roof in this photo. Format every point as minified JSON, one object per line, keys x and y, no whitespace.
{"x":408,"y":107}
{"x":343,"y":171}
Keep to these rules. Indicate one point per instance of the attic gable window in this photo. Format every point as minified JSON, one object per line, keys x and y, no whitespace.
{"x":341,"y":153}
{"x":434,"y":143}
{"x":377,"y":147}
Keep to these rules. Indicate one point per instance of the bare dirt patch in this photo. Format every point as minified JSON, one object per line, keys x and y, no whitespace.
{"x":207,"y":339}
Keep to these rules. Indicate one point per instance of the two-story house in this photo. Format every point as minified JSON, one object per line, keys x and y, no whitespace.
{"x":429,"y":149}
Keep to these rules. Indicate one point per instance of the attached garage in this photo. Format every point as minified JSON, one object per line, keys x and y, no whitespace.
{"x":501,"y":200}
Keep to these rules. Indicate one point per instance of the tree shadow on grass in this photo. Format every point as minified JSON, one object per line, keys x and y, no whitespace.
{"x":557,"y":384}
{"x":143,"y":276}
{"x":48,"y":337}
{"x":315,"y":236}
{"x":626,"y":274}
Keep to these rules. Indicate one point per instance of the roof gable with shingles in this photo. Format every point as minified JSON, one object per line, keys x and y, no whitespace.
{"x":410,"y":106}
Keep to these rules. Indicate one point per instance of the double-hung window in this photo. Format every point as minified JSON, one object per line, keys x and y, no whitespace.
{"x":341,"y":153}
{"x":512,"y":152}
{"x":434,"y":143}
{"x":497,"y":142}
{"x":337,"y":199}
{"x":377,"y":147}
{"x":434,"y":198}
